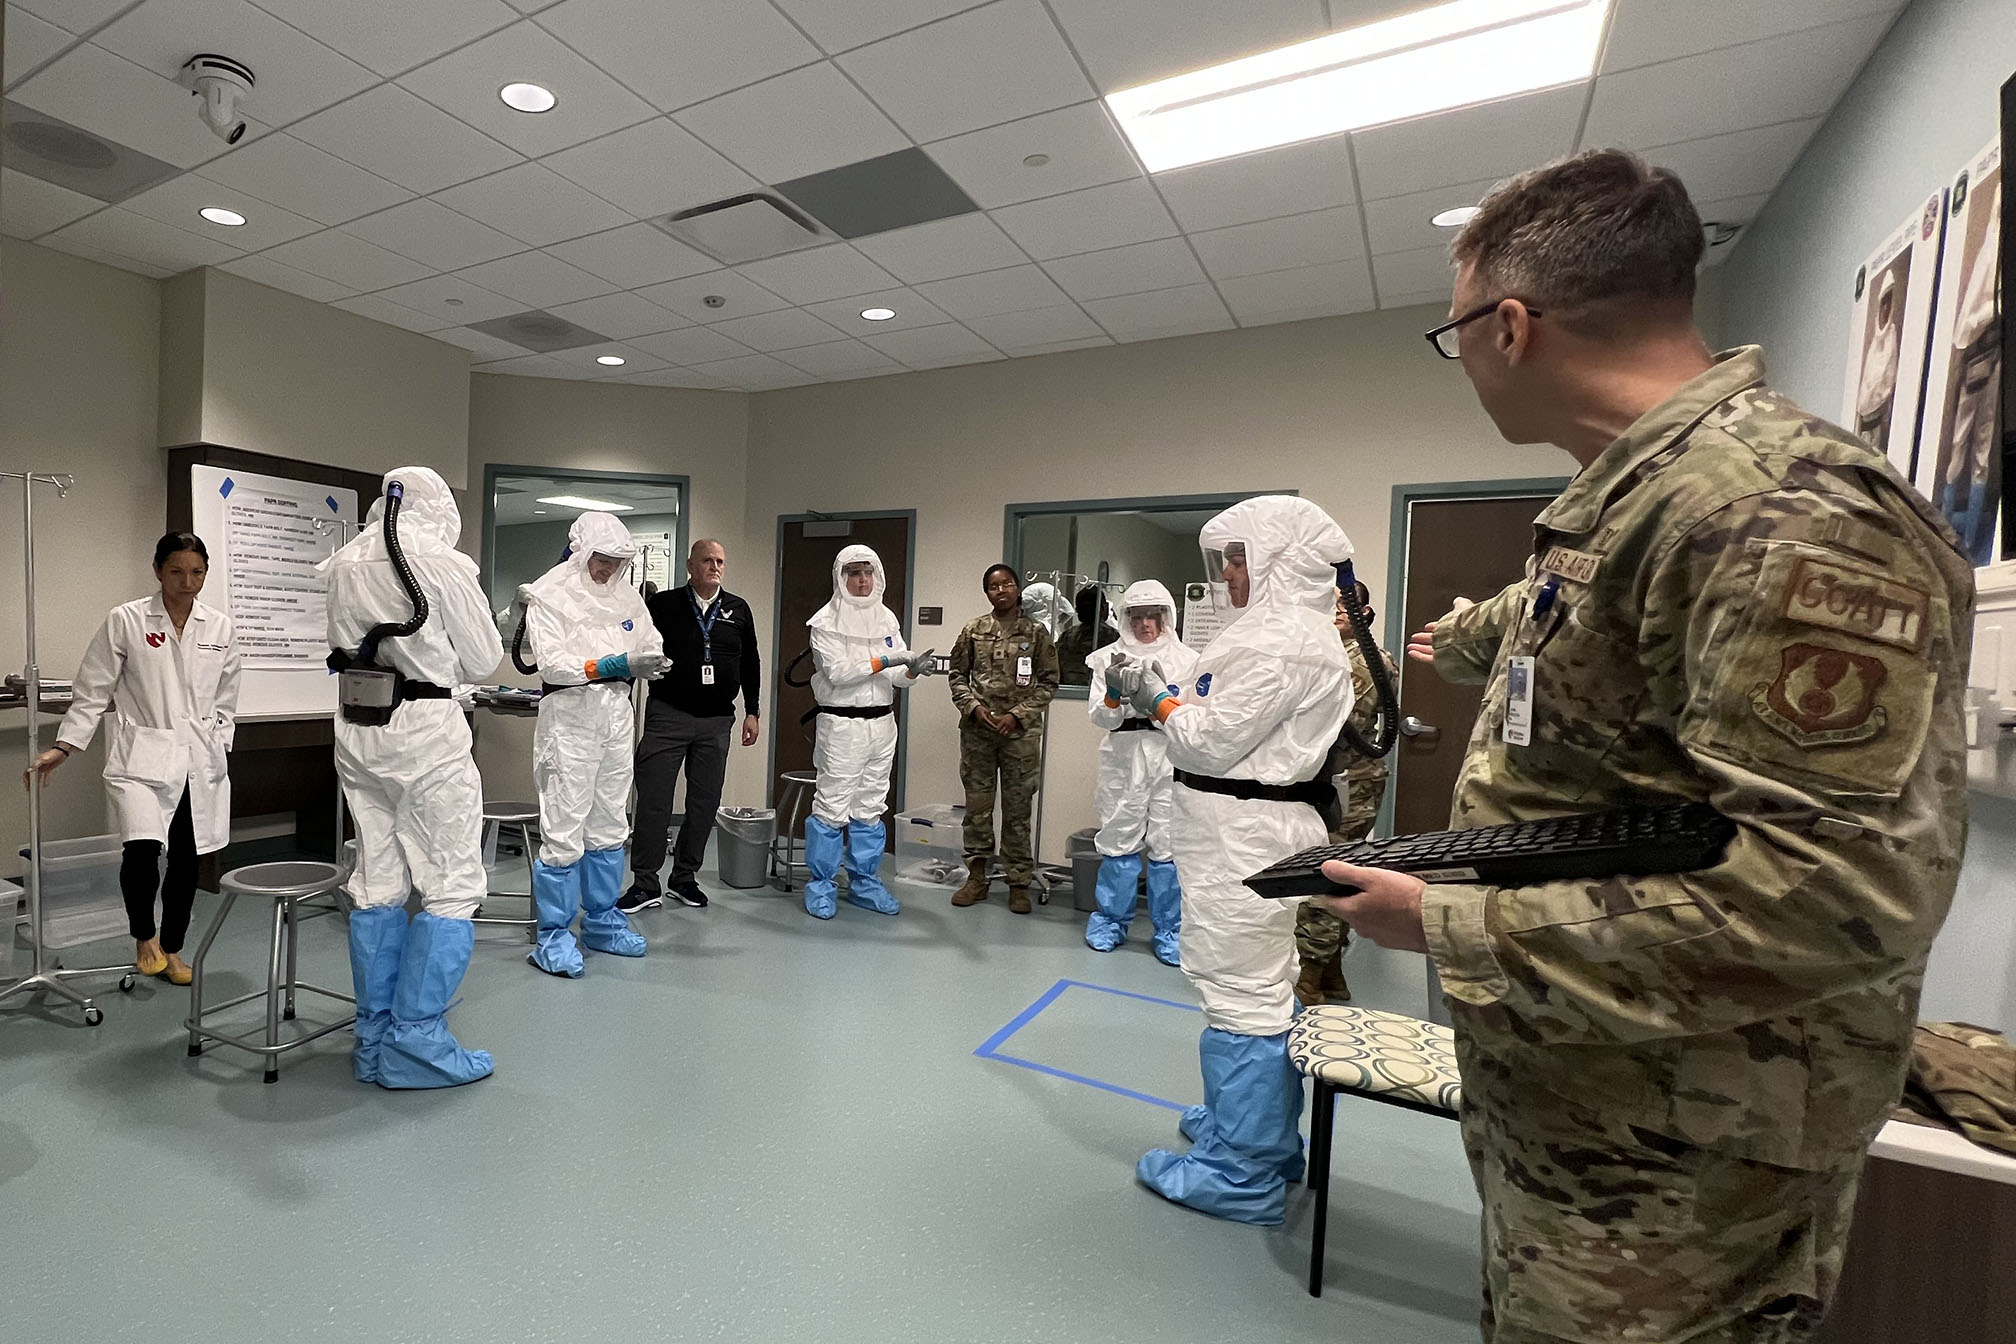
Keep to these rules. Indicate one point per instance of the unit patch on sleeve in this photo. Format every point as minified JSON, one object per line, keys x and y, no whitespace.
{"x":1823,"y":696}
{"x":1854,"y":602}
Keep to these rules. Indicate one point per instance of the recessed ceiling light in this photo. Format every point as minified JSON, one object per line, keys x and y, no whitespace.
{"x":538,"y":510}
{"x":611,"y":360}
{"x":1448,"y":55}
{"x":583,"y":502}
{"x":1456,"y":218}
{"x":1035,"y":160}
{"x":878,"y":314}
{"x":217,"y":214}
{"x":527,"y":98}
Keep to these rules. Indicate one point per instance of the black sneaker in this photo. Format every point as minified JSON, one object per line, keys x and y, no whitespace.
{"x":635,"y":899}
{"x":690,"y":893}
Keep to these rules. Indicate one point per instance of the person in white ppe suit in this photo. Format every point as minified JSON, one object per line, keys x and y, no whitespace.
{"x":859,"y":659}
{"x":411,"y":784}
{"x":167,"y":668}
{"x":1134,"y":790}
{"x":590,"y":634}
{"x":1046,"y":606}
{"x":1879,"y":365}
{"x":1248,"y":736}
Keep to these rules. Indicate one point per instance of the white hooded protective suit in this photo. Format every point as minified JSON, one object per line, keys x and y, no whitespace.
{"x":1134,"y":790}
{"x":1047,"y":607}
{"x":412,"y":785}
{"x":582,"y":748}
{"x":855,"y":641}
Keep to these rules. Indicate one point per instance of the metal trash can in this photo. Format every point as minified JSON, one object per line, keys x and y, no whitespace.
{"x":1085,"y":860}
{"x":744,"y":851}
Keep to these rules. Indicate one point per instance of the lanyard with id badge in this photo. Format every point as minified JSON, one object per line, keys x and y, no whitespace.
{"x":706,"y":620}
{"x":1522,"y":670}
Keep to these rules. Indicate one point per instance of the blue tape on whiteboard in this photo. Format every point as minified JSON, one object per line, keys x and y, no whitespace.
{"x":226,"y":488}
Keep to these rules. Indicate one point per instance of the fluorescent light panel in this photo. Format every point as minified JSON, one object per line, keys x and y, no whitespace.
{"x":583,"y":502}
{"x":1450,"y":55}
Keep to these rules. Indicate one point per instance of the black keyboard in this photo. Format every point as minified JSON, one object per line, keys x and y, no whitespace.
{"x":1626,"y":841}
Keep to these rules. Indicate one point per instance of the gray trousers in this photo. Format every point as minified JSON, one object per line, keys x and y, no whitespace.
{"x":674,"y":739}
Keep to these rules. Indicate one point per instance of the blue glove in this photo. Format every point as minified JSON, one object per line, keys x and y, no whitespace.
{"x":609,"y":666}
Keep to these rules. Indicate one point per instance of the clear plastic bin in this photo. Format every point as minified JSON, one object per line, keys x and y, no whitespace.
{"x":80,"y":891}
{"x":931,"y":844}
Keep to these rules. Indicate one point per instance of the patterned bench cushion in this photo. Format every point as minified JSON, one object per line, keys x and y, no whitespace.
{"x":1383,"y":1054}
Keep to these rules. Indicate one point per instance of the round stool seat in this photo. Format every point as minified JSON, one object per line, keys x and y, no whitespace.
{"x":510,"y":811}
{"x":287,"y":880}
{"x":807,"y":778}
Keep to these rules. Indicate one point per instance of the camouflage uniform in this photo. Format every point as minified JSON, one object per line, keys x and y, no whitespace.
{"x":1670,"y":1083}
{"x":983,"y":673}
{"x":1321,"y":936}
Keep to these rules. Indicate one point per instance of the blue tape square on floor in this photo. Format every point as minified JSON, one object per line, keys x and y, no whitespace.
{"x":1106,"y":1041}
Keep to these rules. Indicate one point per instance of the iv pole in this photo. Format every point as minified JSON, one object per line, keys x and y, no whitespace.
{"x":42,"y":976}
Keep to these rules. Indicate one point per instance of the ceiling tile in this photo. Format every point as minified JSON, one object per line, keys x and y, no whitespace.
{"x":76,"y":16}
{"x":399,"y":136}
{"x":952,"y":359}
{"x":921,"y":345}
{"x":1307,"y":291}
{"x":1489,"y":140}
{"x":1087,"y":221}
{"x":883,"y":370}
{"x":835,"y":357}
{"x":979,"y":68}
{"x":694,"y":345}
{"x":620,"y":316}
{"x":1279,"y":244}
{"x":539,"y":279}
{"x":1427,"y":298}
{"x":297,"y":176}
{"x":1423,"y":271}
{"x":1288,"y":180}
{"x":794,"y":125}
{"x":1003,"y":291}
{"x":752,"y":371}
{"x":1084,"y":148}
{"x":335,"y":255}
{"x":817,"y":273}
{"x":109,"y":95}
{"x":633,"y":256}
{"x":741,"y":296}
{"x":838,"y":25}
{"x":957,"y":246}
{"x":533,"y":204}
{"x":1035,"y":326}
{"x":296,"y":74}
{"x":678,"y":55}
{"x":671,"y":377}
{"x":30,"y":41}
{"x":452,"y":301}
{"x":785,"y":329}
{"x":1645,"y":31}
{"x":480,"y":344}
{"x":30,"y":207}
{"x":103,"y":257}
{"x":652,"y":169}
{"x":433,"y":233}
{"x":910,"y":307}
{"x":1130,"y":42}
{"x":1403,"y":223}
{"x":465,"y":84}
{"x":381,"y":309}
{"x":588,"y":360}
{"x":1163,"y":264}
{"x":278,"y":275}
{"x":1780,"y":79}
{"x":879,"y":195}
{"x":1162,"y":312}
{"x":532,"y":366}
{"x":177,"y":200}
{"x":1747,"y":163}
{"x":1057,"y":347}
{"x":390,"y":36}
{"x":146,"y":240}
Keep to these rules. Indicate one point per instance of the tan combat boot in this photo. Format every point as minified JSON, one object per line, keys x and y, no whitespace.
{"x":1018,"y":900}
{"x":1309,"y":985}
{"x":974,"y":890}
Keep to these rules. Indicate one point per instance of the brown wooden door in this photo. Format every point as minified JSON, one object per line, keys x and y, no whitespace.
{"x":1455,"y":548}
{"x":805,"y":584}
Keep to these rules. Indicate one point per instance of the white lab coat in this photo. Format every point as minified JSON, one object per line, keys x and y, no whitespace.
{"x":175,"y":711}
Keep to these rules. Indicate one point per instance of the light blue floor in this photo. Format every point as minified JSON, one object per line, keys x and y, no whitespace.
{"x":771,"y":1129}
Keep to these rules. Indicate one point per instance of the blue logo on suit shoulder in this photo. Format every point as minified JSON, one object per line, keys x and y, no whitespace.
{"x":1204,"y":685}
{"x":629,"y":625}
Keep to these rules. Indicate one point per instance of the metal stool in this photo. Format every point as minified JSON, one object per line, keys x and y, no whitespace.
{"x":524,"y":816}
{"x":792,"y":805}
{"x":287,"y":885}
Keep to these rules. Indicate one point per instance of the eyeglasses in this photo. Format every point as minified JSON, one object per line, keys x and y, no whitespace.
{"x":1446,"y":338}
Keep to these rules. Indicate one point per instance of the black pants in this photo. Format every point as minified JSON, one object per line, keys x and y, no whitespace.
{"x":674,"y":739}
{"x":140,"y":860}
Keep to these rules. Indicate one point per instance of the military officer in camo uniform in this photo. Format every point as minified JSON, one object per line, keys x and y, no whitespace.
{"x":1670,"y":1083}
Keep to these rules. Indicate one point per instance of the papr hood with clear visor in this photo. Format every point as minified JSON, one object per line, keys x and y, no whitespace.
{"x":1146,"y":595}
{"x":569,"y":587}
{"x":1045,"y":605}
{"x":1292,"y":552}
{"x":429,"y":522}
{"x":846,"y":614}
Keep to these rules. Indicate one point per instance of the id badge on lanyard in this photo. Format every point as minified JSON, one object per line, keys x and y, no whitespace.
{"x":707,"y":674}
{"x":706,"y":623}
{"x":1025,"y":670}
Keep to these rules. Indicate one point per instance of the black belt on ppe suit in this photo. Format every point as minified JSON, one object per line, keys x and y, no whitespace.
{"x":848,"y":712}
{"x":1315,"y":792}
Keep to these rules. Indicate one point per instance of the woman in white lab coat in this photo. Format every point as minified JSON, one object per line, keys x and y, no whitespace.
{"x":167,"y":667}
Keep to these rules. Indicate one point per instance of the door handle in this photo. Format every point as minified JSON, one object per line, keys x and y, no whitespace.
{"x":1413,"y":727}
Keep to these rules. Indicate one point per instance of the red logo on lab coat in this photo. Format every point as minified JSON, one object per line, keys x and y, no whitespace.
{"x":155,"y":639}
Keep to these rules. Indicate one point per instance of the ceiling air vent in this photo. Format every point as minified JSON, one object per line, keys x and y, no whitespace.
{"x":537,"y":330}
{"x":69,"y":156}
{"x":744,"y":228}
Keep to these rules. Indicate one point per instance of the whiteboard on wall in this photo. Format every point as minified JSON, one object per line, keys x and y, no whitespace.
{"x":264,"y":541}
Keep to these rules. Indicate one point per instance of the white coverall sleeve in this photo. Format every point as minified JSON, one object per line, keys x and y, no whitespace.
{"x":546,"y":644}
{"x":841,"y":666}
{"x":1223,"y":728}
{"x":227,"y":693}
{"x":91,"y":689}
{"x":472,"y":628}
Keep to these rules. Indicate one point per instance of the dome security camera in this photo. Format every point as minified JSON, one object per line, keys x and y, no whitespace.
{"x":219,"y":82}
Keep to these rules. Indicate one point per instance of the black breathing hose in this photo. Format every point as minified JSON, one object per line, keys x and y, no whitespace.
{"x":1375,"y":664}
{"x":518,"y":647}
{"x":395,"y":493}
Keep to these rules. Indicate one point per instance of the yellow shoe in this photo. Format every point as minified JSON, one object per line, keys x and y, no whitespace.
{"x":149,"y":959}
{"x":178,"y":970}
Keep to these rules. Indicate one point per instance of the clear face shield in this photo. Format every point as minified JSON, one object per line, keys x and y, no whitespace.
{"x":857,"y":577}
{"x":1146,"y":625}
{"x":1225,"y":574}
{"x":606,"y":569}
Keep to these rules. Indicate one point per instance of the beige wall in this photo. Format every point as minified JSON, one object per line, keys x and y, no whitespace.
{"x":1340,"y":409}
{"x":79,"y":346}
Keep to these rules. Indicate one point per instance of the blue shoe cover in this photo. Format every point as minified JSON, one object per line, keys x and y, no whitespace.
{"x":418,"y":1050}
{"x":865,"y":840}
{"x":1102,"y":934}
{"x":377,"y":942}
{"x":823,"y":844}
{"x":1116,"y":894}
{"x":604,"y":928}
{"x":1238,"y":1167}
{"x":556,"y":895}
{"x":1165,"y":911}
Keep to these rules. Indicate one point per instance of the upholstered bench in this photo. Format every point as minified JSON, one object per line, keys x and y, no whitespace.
{"x":1386,"y":1057}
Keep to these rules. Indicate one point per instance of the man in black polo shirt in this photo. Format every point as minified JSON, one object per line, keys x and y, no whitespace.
{"x":710,"y":637}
